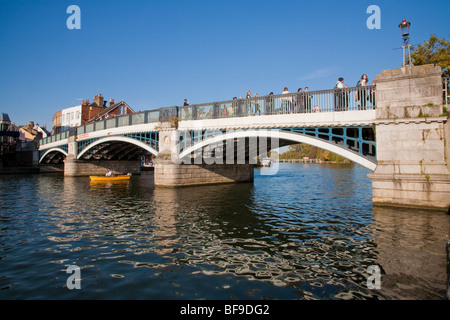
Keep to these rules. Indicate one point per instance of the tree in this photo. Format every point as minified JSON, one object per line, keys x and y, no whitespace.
{"x":299,"y":151}
{"x":435,"y":51}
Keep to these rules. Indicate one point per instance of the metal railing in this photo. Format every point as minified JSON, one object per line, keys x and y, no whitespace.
{"x":121,"y":121}
{"x":54,"y":138}
{"x":345,"y":99}
{"x":446,"y":91}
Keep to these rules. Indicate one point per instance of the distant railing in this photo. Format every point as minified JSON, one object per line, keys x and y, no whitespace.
{"x":345,"y":99}
{"x":304,"y":160}
{"x":121,"y":121}
{"x":54,"y":138}
{"x":446,"y":91}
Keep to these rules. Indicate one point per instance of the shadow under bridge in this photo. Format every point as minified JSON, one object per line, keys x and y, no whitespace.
{"x":356,"y":144}
{"x":115,"y":148}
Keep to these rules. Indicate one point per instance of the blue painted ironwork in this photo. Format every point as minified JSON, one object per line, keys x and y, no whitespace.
{"x":359,"y":139}
{"x":63,"y":148}
{"x":149,"y":138}
{"x":81,"y":145}
{"x":188,"y":138}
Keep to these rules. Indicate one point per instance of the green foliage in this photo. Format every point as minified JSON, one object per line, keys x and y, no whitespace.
{"x":434,"y":51}
{"x":173,"y":120}
{"x":299,"y":151}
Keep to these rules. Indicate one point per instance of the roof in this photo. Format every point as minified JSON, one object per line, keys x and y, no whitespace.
{"x":109,"y":109}
{"x":44,"y":131}
{"x":4,"y":117}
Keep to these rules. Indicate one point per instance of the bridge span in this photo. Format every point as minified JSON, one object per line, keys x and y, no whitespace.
{"x":398,"y":129}
{"x":340,"y":125}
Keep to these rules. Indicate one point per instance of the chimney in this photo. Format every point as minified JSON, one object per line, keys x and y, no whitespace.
{"x":99,"y":99}
{"x":111,"y":102}
{"x":85,"y":102}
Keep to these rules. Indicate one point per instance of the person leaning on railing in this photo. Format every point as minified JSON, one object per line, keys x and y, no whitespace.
{"x":307,"y":100}
{"x":286,"y":102}
{"x":371,"y":96}
{"x":257,"y":106}
{"x":361,"y":93}
{"x":345,"y":98}
{"x":269,"y":104}
{"x":338,"y":94}
{"x":299,"y":105}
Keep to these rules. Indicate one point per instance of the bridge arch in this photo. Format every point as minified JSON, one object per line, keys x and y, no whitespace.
{"x":52,"y":150}
{"x":132,"y":141}
{"x":287,"y":136}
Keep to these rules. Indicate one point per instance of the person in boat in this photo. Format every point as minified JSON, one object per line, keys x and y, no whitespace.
{"x":109,"y":173}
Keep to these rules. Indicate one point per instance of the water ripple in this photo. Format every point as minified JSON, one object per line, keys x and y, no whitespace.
{"x":307,"y":233}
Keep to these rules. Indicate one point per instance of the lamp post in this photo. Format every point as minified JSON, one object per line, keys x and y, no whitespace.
{"x":404,"y":27}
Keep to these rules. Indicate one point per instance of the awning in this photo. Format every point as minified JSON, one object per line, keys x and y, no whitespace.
{"x":14,"y":134}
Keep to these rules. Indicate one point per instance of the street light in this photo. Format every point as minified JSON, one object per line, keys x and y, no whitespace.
{"x":404,"y":27}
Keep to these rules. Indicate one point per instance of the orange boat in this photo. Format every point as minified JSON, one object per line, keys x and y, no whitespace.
{"x":113,"y":178}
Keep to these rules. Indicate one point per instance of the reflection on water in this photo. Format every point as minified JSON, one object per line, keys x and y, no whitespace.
{"x":308,"y":232}
{"x":411,"y":250}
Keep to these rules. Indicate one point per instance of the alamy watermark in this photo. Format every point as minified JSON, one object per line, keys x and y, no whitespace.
{"x":374,"y":280}
{"x":73,"y":281}
{"x":374,"y":21}
{"x":74,"y":20}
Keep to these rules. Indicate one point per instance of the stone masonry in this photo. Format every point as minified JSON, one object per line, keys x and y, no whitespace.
{"x":80,"y":168}
{"x":412,"y":139}
{"x":169,"y":174}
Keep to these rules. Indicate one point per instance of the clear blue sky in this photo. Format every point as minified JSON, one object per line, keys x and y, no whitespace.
{"x":156,"y":53}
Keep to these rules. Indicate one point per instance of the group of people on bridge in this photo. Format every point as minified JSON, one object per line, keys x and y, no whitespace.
{"x":341,"y":98}
{"x":302,"y":101}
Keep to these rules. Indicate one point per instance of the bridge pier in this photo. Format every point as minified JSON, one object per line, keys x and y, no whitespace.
{"x":167,"y":173}
{"x":79,"y":168}
{"x":82,"y":168}
{"x":413,"y":137}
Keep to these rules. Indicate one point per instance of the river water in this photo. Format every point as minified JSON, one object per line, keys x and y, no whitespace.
{"x":307,"y":232}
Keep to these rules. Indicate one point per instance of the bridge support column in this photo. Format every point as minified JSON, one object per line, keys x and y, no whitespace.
{"x":82,"y":168}
{"x":412,"y":139}
{"x":79,"y":168}
{"x":169,"y":174}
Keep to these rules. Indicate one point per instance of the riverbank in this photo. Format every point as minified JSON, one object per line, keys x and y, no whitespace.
{"x":307,"y":160}
{"x":19,"y":170}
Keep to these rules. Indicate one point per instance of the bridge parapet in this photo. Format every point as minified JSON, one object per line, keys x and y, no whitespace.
{"x":326,"y":119}
{"x":334,"y":100}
